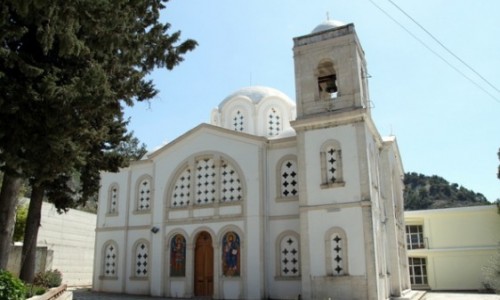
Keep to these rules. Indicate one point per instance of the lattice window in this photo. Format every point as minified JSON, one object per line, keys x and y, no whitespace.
{"x":289,"y":179}
{"x":418,"y":270}
{"x":113,"y":199}
{"x":289,"y":256}
{"x":332,"y":164}
{"x":238,"y":121}
{"x":181,"y":193}
{"x":205,"y":181}
{"x":144,"y":196}
{"x":141,"y":259}
{"x":274,"y":122}
{"x":337,"y":249}
{"x":110,"y":260}
{"x":231,"y":185}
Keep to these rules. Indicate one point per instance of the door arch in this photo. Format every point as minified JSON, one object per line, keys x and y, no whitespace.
{"x":203,"y":265}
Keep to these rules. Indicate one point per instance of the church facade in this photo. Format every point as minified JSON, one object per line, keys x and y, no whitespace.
{"x":272,"y":199}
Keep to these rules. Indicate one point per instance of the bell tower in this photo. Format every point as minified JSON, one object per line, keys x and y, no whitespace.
{"x":340,"y":163}
{"x":330,"y":70}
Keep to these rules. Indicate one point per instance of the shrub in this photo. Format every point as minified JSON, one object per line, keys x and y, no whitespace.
{"x":34,"y":290}
{"x":11,"y":287}
{"x":48,"y":279}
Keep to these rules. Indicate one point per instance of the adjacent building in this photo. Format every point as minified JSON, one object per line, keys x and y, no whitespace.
{"x":449,"y":248}
{"x":273,"y":199}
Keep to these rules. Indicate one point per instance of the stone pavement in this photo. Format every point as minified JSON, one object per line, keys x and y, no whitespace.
{"x":459,"y":296}
{"x":86,"y":294}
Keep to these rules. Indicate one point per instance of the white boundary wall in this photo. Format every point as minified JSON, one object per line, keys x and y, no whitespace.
{"x":71,"y":236}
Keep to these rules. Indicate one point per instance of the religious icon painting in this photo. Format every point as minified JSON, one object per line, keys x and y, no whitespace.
{"x":178,"y":256}
{"x":231,"y":254}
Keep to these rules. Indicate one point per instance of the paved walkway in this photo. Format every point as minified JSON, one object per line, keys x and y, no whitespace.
{"x":86,"y":294}
{"x":459,"y":296}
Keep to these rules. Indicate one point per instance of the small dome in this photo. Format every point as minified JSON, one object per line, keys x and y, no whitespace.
{"x":256,"y":94}
{"x":328,"y":24}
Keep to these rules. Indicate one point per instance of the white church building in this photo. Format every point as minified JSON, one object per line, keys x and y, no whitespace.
{"x":274,"y":199}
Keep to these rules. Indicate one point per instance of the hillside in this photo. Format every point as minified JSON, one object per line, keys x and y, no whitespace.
{"x":431,"y":192}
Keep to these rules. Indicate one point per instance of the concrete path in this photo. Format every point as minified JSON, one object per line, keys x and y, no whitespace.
{"x":86,"y":294}
{"x":459,"y":296}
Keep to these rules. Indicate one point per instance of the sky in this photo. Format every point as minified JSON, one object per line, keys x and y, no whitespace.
{"x":445,"y":124}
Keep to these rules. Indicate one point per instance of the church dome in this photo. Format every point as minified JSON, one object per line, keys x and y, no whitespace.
{"x":328,"y":24}
{"x":256,"y":94}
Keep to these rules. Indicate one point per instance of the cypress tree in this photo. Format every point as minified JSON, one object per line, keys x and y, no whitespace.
{"x":67,"y":69}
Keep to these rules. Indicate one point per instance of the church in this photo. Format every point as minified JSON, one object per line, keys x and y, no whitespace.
{"x":274,"y":199}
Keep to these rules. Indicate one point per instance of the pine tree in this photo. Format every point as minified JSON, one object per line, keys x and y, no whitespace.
{"x":67,"y":68}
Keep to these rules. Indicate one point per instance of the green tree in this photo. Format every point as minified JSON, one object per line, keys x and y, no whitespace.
{"x":133,"y":149}
{"x":21,"y":216}
{"x":67,"y":68}
{"x":430,"y":192}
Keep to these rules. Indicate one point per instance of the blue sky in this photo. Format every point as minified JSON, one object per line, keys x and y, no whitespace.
{"x":444,"y":124}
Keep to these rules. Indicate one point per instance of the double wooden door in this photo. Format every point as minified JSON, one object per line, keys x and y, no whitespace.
{"x":204,"y":266}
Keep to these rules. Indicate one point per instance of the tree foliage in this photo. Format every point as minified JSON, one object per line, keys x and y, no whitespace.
{"x":67,"y":68}
{"x":430,"y":192}
{"x":21,"y":216}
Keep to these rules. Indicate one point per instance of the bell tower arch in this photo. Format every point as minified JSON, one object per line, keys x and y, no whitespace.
{"x":330,"y":70}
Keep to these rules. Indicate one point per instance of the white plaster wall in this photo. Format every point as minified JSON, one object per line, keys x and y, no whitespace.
{"x":115,"y":284}
{"x":246,"y":154}
{"x":138,"y":173}
{"x":280,"y":288}
{"x":246,"y":107}
{"x":285,"y":207}
{"x":104,"y":219}
{"x":285,"y":109}
{"x":134,"y":284}
{"x":71,"y":236}
{"x":351,"y":221}
{"x":350,"y":166}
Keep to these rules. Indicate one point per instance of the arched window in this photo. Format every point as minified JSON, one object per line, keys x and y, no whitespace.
{"x":182,"y":189}
{"x":144,"y":194}
{"x":238,"y":120}
{"x":205,"y":175}
{"x":231,"y":254}
{"x":336,"y":249}
{"x":327,"y":81}
{"x":289,"y":255}
{"x":288,"y":178}
{"x":331,"y":164}
{"x":110,"y":261}
{"x":274,"y":122}
{"x":206,"y":179}
{"x":230,"y":183}
{"x":113,"y":199}
{"x":178,"y":256}
{"x":141,"y":259}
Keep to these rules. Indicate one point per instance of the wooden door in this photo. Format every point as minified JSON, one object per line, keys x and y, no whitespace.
{"x":204,"y":265}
